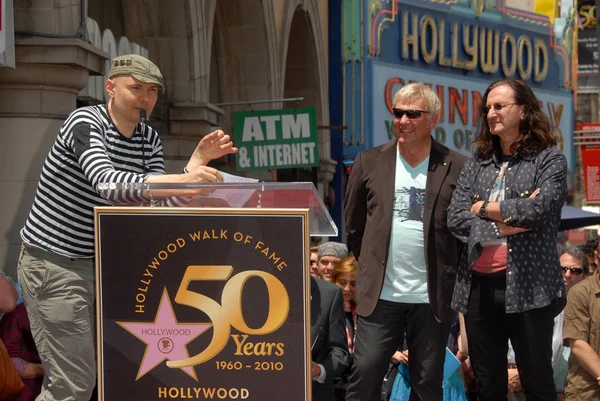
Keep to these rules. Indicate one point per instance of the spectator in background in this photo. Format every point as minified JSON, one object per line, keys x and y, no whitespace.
{"x":329,"y":348}
{"x":314,"y":259}
{"x":575,"y":266}
{"x":329,"y":255}
{"x":581,"y":329}
{"x":589,"y":248}
{"x":344,"y":276}
{"x":15,"y":333}
{"x":8,"y":295}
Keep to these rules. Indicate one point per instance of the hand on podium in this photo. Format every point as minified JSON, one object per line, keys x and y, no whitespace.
{"x":315,"y":370}
{"x":201,"y":174}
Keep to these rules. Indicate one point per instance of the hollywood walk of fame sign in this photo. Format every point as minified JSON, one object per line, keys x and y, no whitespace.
{"x":202,"y":304}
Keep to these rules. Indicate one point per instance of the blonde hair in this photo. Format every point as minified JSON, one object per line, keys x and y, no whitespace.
{"x":415,"y":91}
{"x":346,"y":265}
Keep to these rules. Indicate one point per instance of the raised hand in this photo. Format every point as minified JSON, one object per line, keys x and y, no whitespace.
{"x":212,"y":146}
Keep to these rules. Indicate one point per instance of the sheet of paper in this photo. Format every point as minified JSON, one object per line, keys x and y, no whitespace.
{"x":229,"y":197}
{"x":230,"y":178}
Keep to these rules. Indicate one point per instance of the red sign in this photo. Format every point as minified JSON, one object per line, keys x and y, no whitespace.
{"x":576,"y":236}
{"x":590,"y":158}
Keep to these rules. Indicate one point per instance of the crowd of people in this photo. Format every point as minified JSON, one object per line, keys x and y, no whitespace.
{"x":451,"y":286}
{"x":461,"y":384}
{"x":447,"y":234}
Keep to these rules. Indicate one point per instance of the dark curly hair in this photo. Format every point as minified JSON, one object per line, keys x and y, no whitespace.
{"x":590,"y":246}
{"x":534,"y":128}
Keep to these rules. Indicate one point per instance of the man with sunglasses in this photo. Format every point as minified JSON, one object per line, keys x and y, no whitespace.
{"x":581,"y":333}
{"x":395,"y":209}
{"x":575,"y":266}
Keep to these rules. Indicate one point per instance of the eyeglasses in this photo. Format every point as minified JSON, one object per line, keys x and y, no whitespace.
{"x":496,"y":106}
{"x":411,"y":114}
{"x":574,"y":270}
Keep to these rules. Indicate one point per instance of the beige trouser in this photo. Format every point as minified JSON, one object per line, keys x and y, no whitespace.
{"x":59,"y":294}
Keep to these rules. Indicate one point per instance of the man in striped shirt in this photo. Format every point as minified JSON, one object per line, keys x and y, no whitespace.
{"x":97,"y":144}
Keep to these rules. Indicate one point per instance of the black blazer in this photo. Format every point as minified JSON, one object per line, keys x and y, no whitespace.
{"x":328,"y":335}
{"x":368,"y":210}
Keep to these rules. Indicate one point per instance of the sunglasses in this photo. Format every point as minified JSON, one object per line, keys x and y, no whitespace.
{"x":496,"y":106}
{"x":574,"y":270}
{"x":411,"y":114}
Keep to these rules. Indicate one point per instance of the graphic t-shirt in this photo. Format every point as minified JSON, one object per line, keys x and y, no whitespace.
{"x":406,"y":274}
{"x":494,"y":255}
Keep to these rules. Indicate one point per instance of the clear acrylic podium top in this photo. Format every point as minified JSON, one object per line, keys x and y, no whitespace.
{"x":271,"y":195}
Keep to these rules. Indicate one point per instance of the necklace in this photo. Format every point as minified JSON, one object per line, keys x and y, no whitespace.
{"x":500,"y":177}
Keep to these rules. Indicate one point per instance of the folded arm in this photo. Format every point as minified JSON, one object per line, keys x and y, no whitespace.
{"x":493,"y":211}
{"x":534,"y":212}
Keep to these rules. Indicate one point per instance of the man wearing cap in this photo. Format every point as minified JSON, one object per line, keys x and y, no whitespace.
{"x":96,"y":144}
{"x":329,"y":255}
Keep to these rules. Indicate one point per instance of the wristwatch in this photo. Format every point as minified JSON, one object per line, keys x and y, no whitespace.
{"x":483,"y":209}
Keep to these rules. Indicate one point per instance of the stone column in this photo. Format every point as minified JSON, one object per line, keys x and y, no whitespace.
{"x":35,"y":99}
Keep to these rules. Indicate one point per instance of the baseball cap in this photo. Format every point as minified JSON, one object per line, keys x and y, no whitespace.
{"x":331,"y":248}
{"x":138,"y":67}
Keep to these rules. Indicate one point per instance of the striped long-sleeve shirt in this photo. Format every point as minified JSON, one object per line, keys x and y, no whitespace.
{"x":89,"y":150}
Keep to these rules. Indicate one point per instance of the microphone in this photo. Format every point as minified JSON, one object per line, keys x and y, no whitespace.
{"x":316,"y":338}
{"x":143,"y":121}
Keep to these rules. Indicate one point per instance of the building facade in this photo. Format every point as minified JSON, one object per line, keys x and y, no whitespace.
{"x":211,"y":53}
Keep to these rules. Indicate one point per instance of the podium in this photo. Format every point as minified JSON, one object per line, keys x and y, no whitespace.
{"x":203,"y":290}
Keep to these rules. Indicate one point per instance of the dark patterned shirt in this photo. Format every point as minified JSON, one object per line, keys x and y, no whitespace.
{"x":533,"y":275}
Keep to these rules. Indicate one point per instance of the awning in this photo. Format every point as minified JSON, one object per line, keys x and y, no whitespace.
{"x":574,"y":217}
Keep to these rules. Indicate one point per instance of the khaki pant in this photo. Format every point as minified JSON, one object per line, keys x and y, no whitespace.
{"x":59,"y":296}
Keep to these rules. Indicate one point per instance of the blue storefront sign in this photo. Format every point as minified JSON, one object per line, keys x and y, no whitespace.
{"x":458,"y":47}
{"x":461,"y":102}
